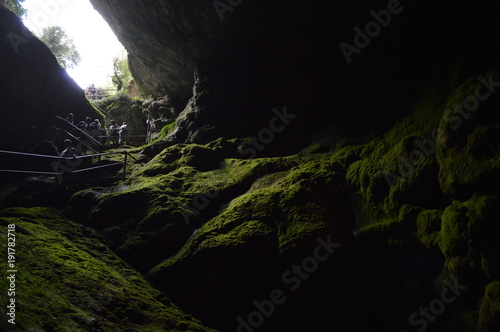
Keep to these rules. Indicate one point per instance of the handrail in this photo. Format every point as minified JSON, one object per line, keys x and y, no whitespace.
{"x":76,"y":138}
{"x":30,"y":154}
{"x":27,"y":172}
{"x":83,"y":132}
{"x":96,"y":167}
{"x":94,"y":94}
{"x":100,"y":109}
{"x":59,"y":157}
{"x":124,"y":163}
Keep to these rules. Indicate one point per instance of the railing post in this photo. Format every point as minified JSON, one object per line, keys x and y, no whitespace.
{"x":125,"y":154}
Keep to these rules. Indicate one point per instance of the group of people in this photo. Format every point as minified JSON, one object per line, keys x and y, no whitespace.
{"x":115,"y":134}
{"x":92,"y":128}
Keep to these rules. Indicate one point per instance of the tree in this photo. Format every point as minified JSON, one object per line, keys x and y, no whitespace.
{"x":61,"y":46}
{"x":16,"y":7}
{"x":122,"y":77}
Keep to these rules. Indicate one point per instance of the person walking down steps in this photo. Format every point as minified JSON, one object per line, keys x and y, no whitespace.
{"x":113,"y":134}
{"x":65,"y":166}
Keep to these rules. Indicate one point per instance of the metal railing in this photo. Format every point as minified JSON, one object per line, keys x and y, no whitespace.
{"x":91,"y":140}
{"x":98,"y":94}
{"x":60,"y":169}
{"x":97,"y":141}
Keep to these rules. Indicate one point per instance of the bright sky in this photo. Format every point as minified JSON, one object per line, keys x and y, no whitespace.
{"x":91,"y":35}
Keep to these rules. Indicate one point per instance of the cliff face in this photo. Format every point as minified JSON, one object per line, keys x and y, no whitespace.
{"x":253,"y":56}
{"x":33,"y":88}
{"x":254,"y":59}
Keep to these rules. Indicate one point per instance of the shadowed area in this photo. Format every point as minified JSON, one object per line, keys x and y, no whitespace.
{"x":313,"y":166}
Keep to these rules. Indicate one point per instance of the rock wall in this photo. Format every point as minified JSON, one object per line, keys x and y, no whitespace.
{"x":254,"y":56}
{"x":33,"y":88}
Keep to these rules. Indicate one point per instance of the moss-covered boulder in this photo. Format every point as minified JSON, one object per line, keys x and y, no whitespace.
{"x":468,"y":238}
{"x":275,"y":209}
{"x":68,"y":280}
{"x":429,"y":185}
{"x":469,"y":139}
{"x":489,"y":314}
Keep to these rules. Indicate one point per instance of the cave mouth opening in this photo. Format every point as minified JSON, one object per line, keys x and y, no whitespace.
{"x":92,"y":37}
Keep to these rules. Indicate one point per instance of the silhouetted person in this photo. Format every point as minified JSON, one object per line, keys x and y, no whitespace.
{"x":64,"y":166}
{"x":113,"y":132}
{"x":90,"y":127}
{"x":70,"y":118}
{"x":121,"y":133}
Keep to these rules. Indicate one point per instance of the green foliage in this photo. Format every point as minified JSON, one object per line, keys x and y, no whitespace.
{"x":122,"y":78}
{"x":16,"y":7}
{"x":61,"y":45}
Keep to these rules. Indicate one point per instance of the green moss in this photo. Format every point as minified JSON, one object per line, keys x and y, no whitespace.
{"x":69,"y":281}
{"x":454,"y":232}
{"x":279,"y":206}
{"x":489,"y":313}
{"x":467,"y":237}
{"x":394,"y":230}
{"x":468,"y":144}
{"x":469,"y":321}
{"x":167,"y":130}
{"x":116,"y":101}
{"x":400,"y":166}
{"x":245,"y":232}
{"x":428,"y":227}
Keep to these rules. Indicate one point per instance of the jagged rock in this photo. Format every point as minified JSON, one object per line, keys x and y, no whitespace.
{"x":162,"y":110}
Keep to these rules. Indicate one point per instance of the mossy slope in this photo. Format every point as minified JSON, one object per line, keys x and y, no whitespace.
{"x":68,"y":280}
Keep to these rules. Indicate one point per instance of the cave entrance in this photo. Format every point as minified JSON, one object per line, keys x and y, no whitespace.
{"x":81,"y":25}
